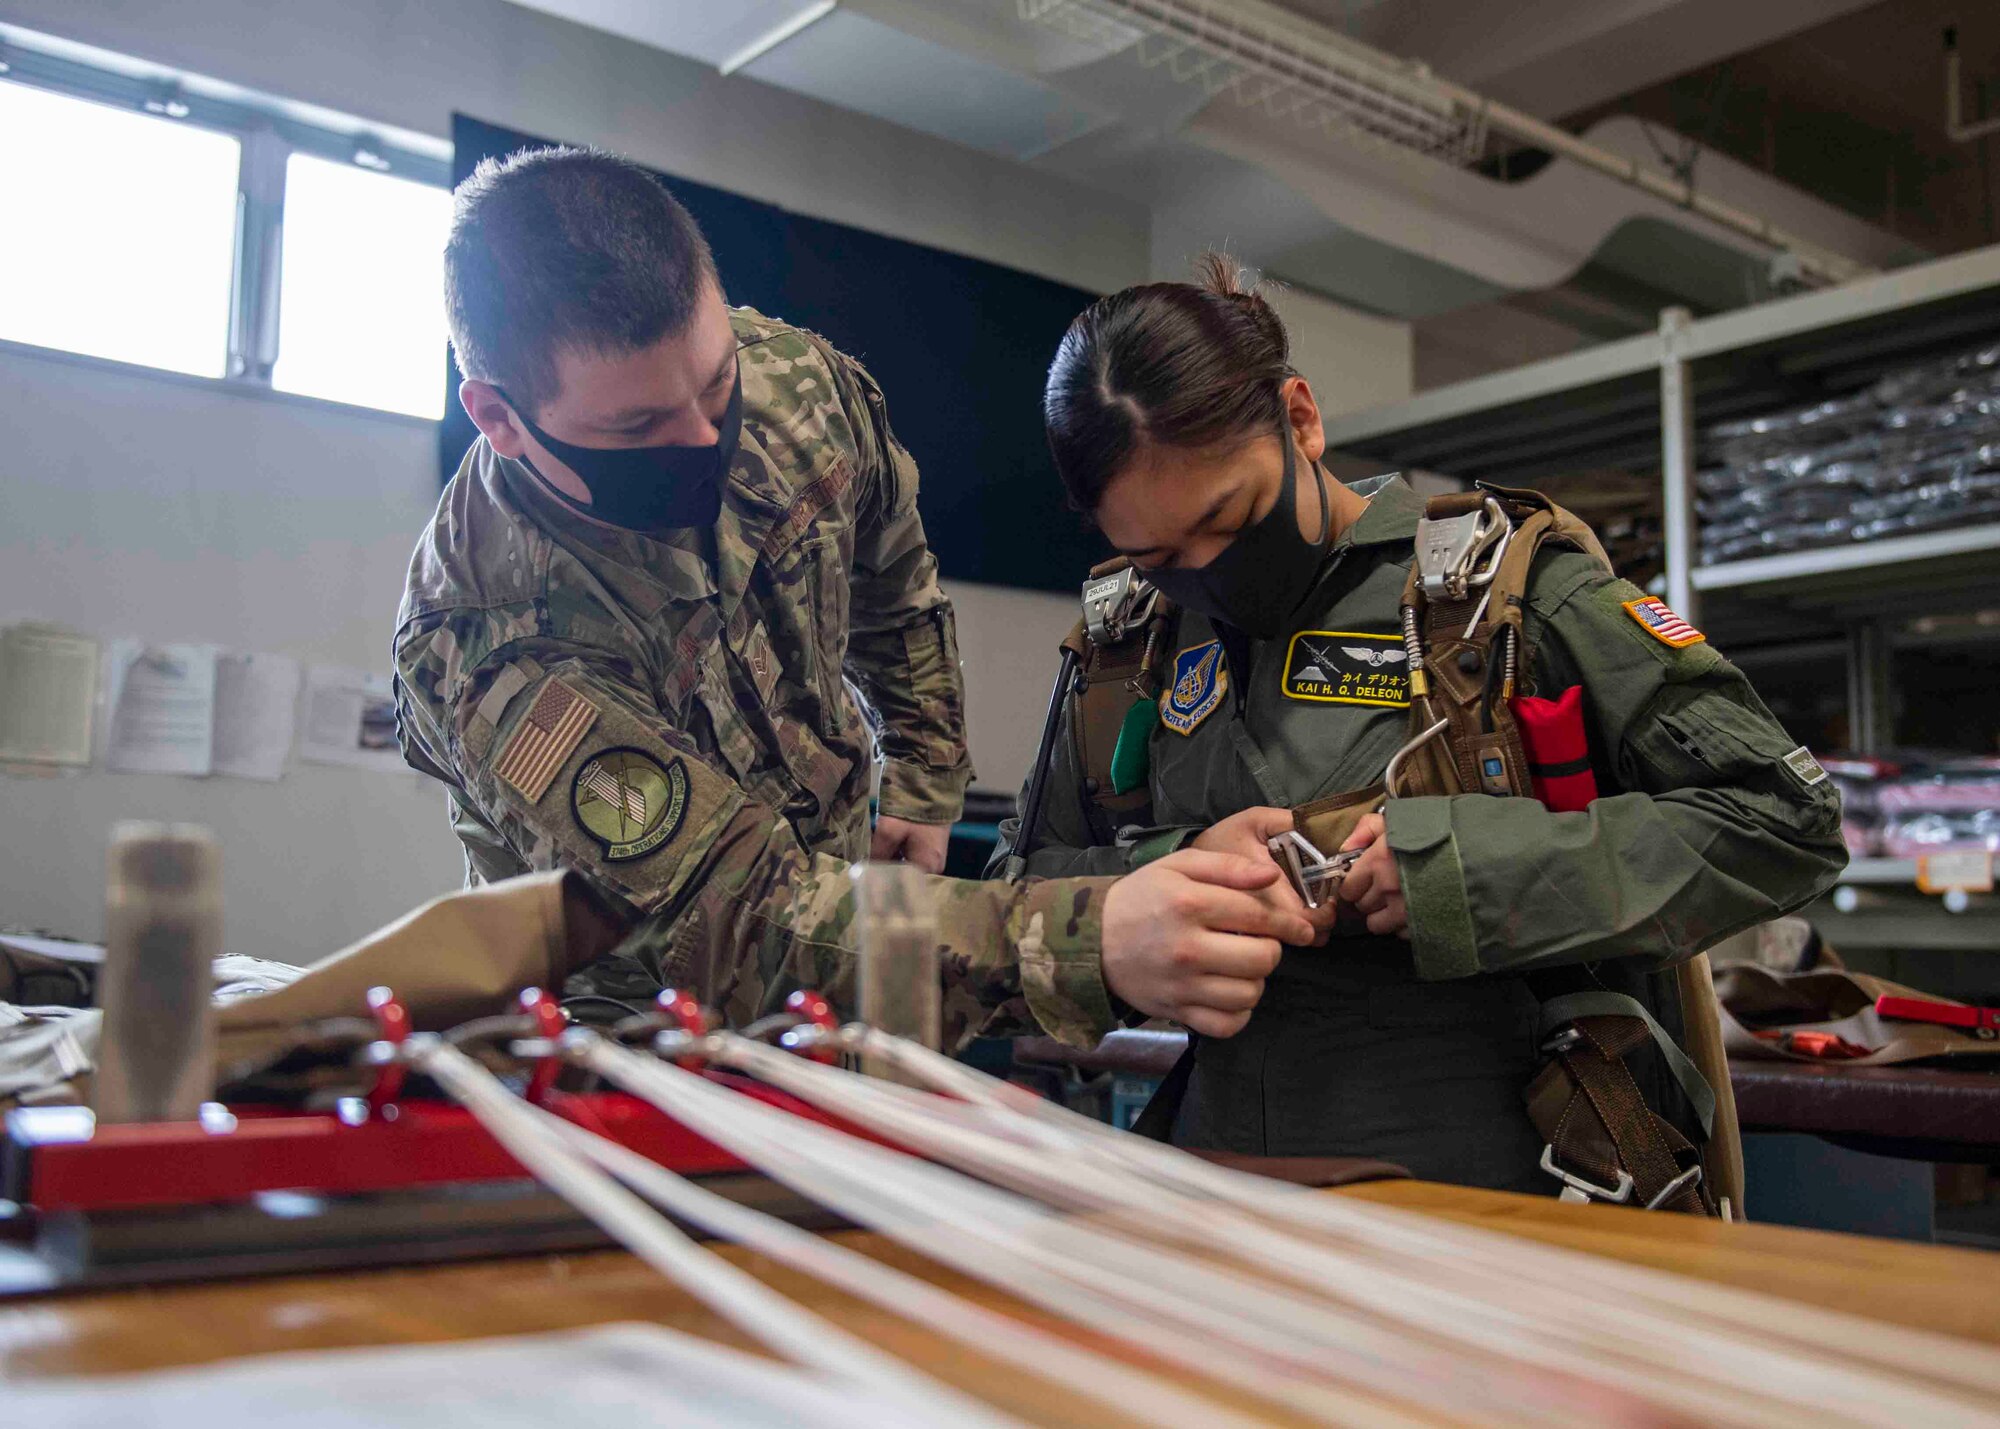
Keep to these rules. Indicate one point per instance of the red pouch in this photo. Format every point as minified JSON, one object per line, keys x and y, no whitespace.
{"x":1558,"y":749}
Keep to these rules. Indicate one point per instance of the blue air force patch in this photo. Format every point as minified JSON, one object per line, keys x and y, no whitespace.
{"x":1200,"y":682}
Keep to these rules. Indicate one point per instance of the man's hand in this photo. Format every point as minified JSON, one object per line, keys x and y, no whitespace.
{"x":1248,"y":835}
{"x":900,"y":841}
{"x":1375,"y":885}
{"x":1188,"y":937}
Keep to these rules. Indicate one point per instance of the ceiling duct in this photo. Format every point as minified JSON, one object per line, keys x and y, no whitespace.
{"x":1267,"y":59}
{"x":1323,"y":83}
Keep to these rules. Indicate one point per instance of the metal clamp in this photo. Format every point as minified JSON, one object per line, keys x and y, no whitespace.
{"x":1314,"y":876}
{"x":1117,"y":604}
{"x":817,"y":1036}
{"x":1576,"y":1189}
{"x":388,"y":1053}
{"x":1456,"y":554}
{"x":1685,"y":1181}
{"x":545,"y":1010}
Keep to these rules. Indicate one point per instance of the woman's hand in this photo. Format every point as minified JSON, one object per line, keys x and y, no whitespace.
{"x":1248,"y":835}
{"x":1374,"y":885}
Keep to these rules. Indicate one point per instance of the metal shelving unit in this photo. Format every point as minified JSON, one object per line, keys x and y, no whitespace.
{"x":1632,"y":406}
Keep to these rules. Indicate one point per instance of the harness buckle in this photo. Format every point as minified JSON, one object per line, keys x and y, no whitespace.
{"x":1685,"y":1181}
{"x":1314,"y":876}
{"x":1458,"y":553}
{"x":1577,"y":1189}
{"x":1117,"y":604}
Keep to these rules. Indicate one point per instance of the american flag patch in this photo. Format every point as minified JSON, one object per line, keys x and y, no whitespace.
{"x":1661,"y":623}
{"x":559,"y":718}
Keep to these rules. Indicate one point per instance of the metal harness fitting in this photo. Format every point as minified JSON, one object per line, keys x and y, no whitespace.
{"x":1116,"y":604}
{"x":1456,"y":554}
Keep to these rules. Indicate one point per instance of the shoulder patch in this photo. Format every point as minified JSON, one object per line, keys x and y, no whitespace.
{"x":1200,"y":681}
{"x":1348,"y":667}
{"x":1804,"y":767}
{"x":541,"y":743}
{"x":629,"y":802}
{"x":1661,"y":623}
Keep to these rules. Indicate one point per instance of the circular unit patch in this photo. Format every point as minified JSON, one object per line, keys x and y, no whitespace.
{"x":629,"y":802}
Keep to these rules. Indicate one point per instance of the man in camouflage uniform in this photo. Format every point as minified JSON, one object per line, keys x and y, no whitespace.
{"x":623,"y":644}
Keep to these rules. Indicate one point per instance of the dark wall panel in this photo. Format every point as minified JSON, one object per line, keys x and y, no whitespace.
{"x":960,"y":347}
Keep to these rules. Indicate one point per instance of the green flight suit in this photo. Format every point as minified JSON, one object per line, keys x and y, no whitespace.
{"x":1416,"y":1051}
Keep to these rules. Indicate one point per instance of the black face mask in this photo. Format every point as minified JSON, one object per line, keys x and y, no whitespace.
{"x":1260,"y":578}
{"x":647,"y":488}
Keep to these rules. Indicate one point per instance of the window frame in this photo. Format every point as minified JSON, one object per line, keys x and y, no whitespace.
{"x":269,"y":132}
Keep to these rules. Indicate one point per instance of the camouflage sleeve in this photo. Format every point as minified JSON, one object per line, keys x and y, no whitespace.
{"x":564,"y":755}
{"x":902,"y":642}
{"x":1723,"y":822}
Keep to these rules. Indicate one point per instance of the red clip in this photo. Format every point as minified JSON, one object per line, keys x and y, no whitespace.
{"x":392,"y":1024}
{"x":550,"y":1023}
{"x":692,"y":1018}
{"x":815,"y":1011}
{"x":1824,"y":1045}
{"x":1983,"y":1022}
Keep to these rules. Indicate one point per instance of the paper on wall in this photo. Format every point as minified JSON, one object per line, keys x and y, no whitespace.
{"x":256,"y":714}
{"x":162,"y":703}
{"x":48,"y":691}
{"x":350,"y":718}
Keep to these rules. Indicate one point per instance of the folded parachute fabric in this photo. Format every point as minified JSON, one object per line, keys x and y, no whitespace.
{"x":461,"y":956}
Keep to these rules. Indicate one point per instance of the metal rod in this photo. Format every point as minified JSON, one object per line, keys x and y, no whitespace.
{"x":1954,"y":108}
{"x":1677,"y":464}
{"x":776,"y":35}
{"x":1038,"y":778}
{"x":1869,"y":724}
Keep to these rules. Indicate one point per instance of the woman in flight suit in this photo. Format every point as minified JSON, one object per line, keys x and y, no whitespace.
{"x":1178,"y":425}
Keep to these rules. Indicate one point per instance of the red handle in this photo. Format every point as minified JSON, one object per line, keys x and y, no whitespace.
{"x":1983,"y":1021}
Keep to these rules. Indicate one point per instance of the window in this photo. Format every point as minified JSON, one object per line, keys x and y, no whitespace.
{"x":132,"y":263}
{"x":361,"y":307}
{"x":180,"y":225}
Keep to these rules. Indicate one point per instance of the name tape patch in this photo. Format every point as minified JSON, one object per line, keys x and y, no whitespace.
{"x":1348,"y":667}
{"x":1658,"y":621}
{"x":1200,"y":682}
{"x":1804,"y":767}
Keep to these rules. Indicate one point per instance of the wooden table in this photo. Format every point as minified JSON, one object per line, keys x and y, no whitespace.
{"x":1953,"y":1291}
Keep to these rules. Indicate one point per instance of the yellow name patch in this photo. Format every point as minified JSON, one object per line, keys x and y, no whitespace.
{"x":1348,"y":667}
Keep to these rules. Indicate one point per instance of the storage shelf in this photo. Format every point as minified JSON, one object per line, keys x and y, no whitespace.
{"x":1601,"y":407}
{"x":1928,"y":573}
{"x":1869,"y":871}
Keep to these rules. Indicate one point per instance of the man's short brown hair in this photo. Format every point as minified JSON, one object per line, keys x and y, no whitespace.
{"x":559,"y":248}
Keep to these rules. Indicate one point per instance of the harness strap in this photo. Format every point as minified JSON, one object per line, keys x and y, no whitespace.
{"x":1559,"y":1012}
{"x":1599,"y":1129}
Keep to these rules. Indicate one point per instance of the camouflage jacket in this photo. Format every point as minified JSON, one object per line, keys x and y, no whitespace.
{"x":671,"y":715}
